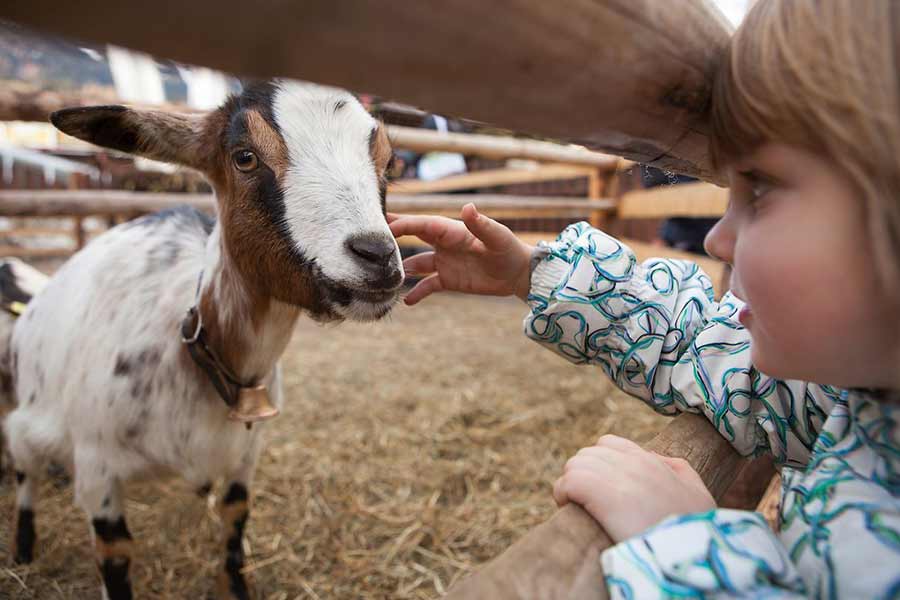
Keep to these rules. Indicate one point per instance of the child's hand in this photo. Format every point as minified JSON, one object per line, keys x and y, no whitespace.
{"x":628,"y":489}
{"x":475,"y":256}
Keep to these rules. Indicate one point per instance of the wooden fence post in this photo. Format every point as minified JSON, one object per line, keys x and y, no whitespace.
{"x":78,"y":232}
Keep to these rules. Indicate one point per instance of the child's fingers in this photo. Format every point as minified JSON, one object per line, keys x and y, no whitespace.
{"x":423,"y":289}
{"x":391,"y":217}
{"x":426,"y":227}
{"x":618,"y":443}
{"x":559,"y":493}
{"x":597,"y":460}
{"x":494,"y":235}
{"x":420,"y":264}
{"x":683,"y":470}
{"x":579,"y":486}
{"x":437,"y":231}
{"x":678,"y":465}
{"x":598,"y":452}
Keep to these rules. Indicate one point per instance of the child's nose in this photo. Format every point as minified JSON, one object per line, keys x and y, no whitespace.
{"x":719,"y":242}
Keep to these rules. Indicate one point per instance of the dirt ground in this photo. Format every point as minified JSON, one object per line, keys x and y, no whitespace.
{"x":410,"y":451}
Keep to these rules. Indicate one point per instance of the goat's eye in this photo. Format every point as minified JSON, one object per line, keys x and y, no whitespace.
{"x":245,"y":160}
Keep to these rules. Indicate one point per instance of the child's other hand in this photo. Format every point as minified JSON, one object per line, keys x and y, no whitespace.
{"x":475,"y":256}
{"x":628,"y":489}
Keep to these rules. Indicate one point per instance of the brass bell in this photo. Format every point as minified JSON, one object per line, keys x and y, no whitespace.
{"x":253,"y":405}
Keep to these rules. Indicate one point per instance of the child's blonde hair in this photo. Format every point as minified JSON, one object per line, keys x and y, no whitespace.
{"x":821,"y":75}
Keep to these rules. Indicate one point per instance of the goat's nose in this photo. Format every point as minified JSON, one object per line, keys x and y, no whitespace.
{"x":372,"y":248}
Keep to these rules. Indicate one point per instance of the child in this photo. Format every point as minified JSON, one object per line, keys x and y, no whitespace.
{"x":806,"y":121}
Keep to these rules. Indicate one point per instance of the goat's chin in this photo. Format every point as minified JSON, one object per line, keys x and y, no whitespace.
{"x":357,"y":301}
{"x":360,"y":309}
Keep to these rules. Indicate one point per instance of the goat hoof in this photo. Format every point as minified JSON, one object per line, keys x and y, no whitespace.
{"x":23,"y":557}
{"x":232,"y":586}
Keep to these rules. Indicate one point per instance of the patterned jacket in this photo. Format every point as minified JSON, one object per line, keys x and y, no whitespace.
{"x":656,"y":331}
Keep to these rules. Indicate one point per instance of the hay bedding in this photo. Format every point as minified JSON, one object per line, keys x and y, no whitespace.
{"x":410,"y":451}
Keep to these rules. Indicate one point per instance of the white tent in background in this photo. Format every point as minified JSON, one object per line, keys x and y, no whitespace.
{"x":135,"y":76}
{"x":206,"y":89}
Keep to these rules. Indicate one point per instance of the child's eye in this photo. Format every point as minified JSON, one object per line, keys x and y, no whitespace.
{"x":759,"y":185}
{"x":760,"y":188}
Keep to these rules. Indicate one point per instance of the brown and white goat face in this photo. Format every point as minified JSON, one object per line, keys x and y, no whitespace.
{"x":298,"y":171}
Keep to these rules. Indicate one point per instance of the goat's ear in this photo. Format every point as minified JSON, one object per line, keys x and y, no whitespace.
{"x":159,"y":135}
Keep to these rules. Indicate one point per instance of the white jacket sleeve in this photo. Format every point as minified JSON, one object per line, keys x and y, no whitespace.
{"x":718,"y":554}
{"x":656,"y":331}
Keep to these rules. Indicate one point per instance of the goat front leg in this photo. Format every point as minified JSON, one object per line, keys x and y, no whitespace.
{"x":25,"y":536}
{"x":101,"y":498}
{"x":28,"y":464}
{"x":234,"y":509}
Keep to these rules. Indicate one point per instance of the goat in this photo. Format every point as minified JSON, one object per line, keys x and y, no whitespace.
{"x":102,"y":371}
{"x":19,"y":282}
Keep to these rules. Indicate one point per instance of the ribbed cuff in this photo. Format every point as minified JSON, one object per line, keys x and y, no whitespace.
{"x":546,"y":276}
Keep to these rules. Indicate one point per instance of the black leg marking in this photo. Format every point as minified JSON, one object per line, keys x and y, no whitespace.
{"x":25,"y":536}
{"x":237,"y":492}
{"x":113,"y":545}
{"x":234,"y":561}
{"x":204,"y":490}
{"x":236,"y":512}
{"x":111,"y":532}
{"x":115,"y":577}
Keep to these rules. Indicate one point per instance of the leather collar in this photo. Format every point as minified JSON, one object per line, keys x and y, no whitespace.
{"x":193,"y":335}
{"x":248,"y":402}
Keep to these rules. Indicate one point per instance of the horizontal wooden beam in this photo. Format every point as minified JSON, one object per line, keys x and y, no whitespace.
{"x":496,"y":147}
{"x":499,"y":206}
{"x":26,"y":252}
{"x":76,"y":203}
{"x":560,"y":559}
{"x":82,"y":203}
{"x":490,"y":178}
{"x":682,"y":200}
{"x":628,"y":77}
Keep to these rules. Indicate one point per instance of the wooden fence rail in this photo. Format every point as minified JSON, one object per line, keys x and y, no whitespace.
{"x":495,"y":177}
{"x":497,"y":147}
{"x":108,"y":203}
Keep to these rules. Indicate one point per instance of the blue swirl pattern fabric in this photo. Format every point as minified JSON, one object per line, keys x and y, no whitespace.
{"x":656,"y":331}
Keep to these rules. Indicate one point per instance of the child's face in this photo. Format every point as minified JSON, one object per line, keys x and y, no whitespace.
{"x":795,"y":234}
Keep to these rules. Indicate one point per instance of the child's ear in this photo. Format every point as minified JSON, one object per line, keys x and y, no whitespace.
{"x":168,"y":137}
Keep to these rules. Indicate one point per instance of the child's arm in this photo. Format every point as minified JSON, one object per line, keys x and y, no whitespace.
{"x":653,"y":328}
{"x":656,"y":331}
{"x":715,"y":554}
